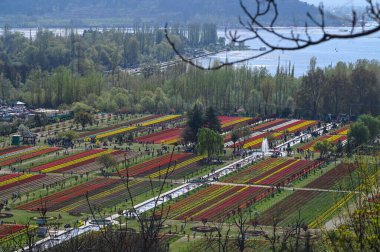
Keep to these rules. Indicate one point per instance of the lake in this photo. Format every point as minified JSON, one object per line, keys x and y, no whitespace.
{"x":328,"y":53}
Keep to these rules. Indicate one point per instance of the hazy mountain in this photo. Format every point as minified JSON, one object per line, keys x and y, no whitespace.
{"x":118,"y":12}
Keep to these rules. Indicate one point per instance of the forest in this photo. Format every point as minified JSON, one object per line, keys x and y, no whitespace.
{"x":56,"y":71}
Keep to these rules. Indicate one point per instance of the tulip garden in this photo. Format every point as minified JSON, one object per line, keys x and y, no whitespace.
{"x":74,"y":182}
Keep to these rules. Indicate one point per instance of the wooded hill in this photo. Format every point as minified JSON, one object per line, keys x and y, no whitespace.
{"x":127,"y":12}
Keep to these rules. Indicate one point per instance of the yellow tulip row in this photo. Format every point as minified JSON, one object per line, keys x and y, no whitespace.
{"x":236,"y":121}
{"x":160,"y":120}
{"x":331,"y":210}
{"x":16,"y":179}
{"x":72,"y":162}
{"x":301,"y":125}
{"x":176,"y":167}
{"x":115,"y":132}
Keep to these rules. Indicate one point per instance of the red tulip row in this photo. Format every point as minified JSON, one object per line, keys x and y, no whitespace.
{"x":169,"y":136}
{"x":29,"y":155}
{"x":10,"y":149}
{"x":9,"y":229}
{"x":153,"y":165}
{"x":23,"y":181}
{"x":8,"y":176}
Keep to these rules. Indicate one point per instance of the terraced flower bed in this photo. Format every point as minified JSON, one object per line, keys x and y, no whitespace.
{"x":260,"y":128}
{"x":169,"y":136}
{"x":10,"y":149}
{"x":273,"y":171}
{"x":334,"y":137}
{"x":215,"y":202}
{"x":9,"y":231}
{"x":311,"y":203}
{"x":113,"y":127}
{"x":75,"y":161}
{"x":298,"y":125}
{"x":221,"y":201}
{"x":24,"y":154}
{"x":176,"y":166}
{"x":160,"y":120}
{"x":101,"y":193}
{"x":25,"y":183}
{"x":256,"y":141}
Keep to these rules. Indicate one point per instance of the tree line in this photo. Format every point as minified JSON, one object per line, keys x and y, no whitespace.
{"x":52,"y":71}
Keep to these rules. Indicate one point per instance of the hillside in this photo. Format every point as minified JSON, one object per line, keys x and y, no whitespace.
{"x":127,"y":12}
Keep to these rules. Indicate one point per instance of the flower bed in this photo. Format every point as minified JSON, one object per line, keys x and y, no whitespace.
{"x":180,"y":164}
{"x":288,"y":208}
{"x":9,"y":231}
{"x":23,"y":184}
{"x":221,"y":201}
{"x":10,"y":149}
{"x":334,"y":137}
{"x":26,"y":153}
{"x":169,"y":136}
{"x":227,"y":123}
{"x":160,"y":120}
{"x":74,"y":161}
{"x":298,"y":125}
{"x":101,"y":192}
{"x":273,"y":171}
{"x":110,"y":128}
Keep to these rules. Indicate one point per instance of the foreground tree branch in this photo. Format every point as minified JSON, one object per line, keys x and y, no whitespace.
{"x":297,"y":39}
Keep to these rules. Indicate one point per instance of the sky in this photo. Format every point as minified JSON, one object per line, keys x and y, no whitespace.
{"x":335,"y":3}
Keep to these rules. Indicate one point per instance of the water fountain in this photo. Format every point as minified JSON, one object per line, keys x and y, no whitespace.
{"x":265,"y":146}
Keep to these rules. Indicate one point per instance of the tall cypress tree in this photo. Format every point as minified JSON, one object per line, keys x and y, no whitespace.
{"x":212,"y":121}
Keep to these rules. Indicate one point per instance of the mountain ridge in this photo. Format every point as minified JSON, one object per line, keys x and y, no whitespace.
{"x":127,"y":12}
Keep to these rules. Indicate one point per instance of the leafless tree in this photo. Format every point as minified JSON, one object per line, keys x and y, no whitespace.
{"x":297,"y":38}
